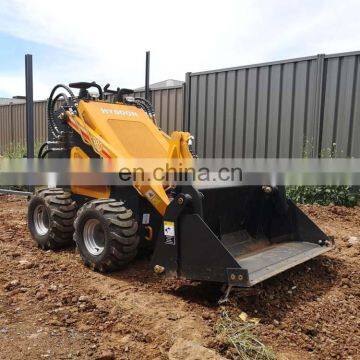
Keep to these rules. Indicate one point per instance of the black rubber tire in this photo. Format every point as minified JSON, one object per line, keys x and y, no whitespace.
{"x":60,"y":210}
{"x":119,"y":229}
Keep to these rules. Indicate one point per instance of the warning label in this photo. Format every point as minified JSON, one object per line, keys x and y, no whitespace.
{"x":169,"y":232}
{"x":169,"y":228}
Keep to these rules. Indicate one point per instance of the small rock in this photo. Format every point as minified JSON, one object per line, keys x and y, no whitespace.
{"x":353,"y":240}
{"x":52,"y":287}
{"x":125,"y":340}
{"x":106,"y":355}
{"x":11,"y":285}
{"x":173,"y":317}
{"x":190,"y":350}
{"x":25,"y":264}
{"x":55,"y":322}
{"x":40,"y":295}
{"x":206,"y":316}
{"x":84,"y":298}
{"x":276,"y":322}
{"x":70,"y":321}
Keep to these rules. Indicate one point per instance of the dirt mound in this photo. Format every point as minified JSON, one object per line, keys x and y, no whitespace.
{"x":51,"y":306}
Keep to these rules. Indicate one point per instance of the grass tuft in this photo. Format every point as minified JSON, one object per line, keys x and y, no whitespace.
{"x":240,"y":336}
{"x":18,"y":151}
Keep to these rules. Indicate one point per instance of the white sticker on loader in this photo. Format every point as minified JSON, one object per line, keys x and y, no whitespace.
{"x":169,"y":232}
{"x":146,"y":219}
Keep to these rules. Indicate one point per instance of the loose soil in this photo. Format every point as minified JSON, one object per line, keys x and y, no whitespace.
{"x":51,"y":306}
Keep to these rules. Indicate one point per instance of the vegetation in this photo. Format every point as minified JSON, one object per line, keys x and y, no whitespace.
{"x":18,"y":151}
{"x":324,"y":195}
{"x":239,"y":335}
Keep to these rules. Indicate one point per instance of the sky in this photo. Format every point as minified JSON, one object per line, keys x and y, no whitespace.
{"x":105,"y":41}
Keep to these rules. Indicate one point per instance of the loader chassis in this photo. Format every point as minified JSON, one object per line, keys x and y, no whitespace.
{"x":238,"y":236}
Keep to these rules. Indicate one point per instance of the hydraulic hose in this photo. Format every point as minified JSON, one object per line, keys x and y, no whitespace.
{"x":42,"y":147}
{"x":51,"y":106}
{"x":147,"y":107}
{"x":46,"y":152}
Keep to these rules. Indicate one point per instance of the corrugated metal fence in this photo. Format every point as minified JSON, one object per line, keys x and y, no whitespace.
{"x":278,"y":109}
{"x":169,"y":107}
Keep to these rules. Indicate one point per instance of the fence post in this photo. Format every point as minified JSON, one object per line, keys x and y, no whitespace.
{"x":29,"y":107}
{"x":319,"y":105}
{"x":187,"y":97}
{"x":147,"y":76}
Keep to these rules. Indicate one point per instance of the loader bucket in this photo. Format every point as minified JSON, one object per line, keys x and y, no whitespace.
{"x":237,"y":235}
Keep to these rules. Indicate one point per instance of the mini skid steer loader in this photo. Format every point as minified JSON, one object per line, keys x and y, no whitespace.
{"x":237,"y":236}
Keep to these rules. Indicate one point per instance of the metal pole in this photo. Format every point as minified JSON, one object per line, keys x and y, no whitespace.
{"x":15,"y":192}
{"x":29,"y":107}
{"x":147,"y":76}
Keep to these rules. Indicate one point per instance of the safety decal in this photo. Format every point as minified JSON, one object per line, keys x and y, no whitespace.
{"x":169,"y":232}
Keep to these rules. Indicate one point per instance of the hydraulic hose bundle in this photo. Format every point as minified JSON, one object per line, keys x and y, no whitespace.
{"x":145,"y":105}
{"x":51,"y":107}
{"x":51,"y":113}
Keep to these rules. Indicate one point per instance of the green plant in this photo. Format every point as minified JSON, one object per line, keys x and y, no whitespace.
{"x":324,"y":195}
{"x":15,"y":151}
{"x":240,"y":335}
{"x":18,"y":151}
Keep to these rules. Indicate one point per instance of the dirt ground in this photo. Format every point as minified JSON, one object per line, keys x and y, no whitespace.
{"x":51,"y":306}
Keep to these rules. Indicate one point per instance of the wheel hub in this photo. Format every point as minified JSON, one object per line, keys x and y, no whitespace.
{"x":41,"y":220}
{"x":94,"y":237}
